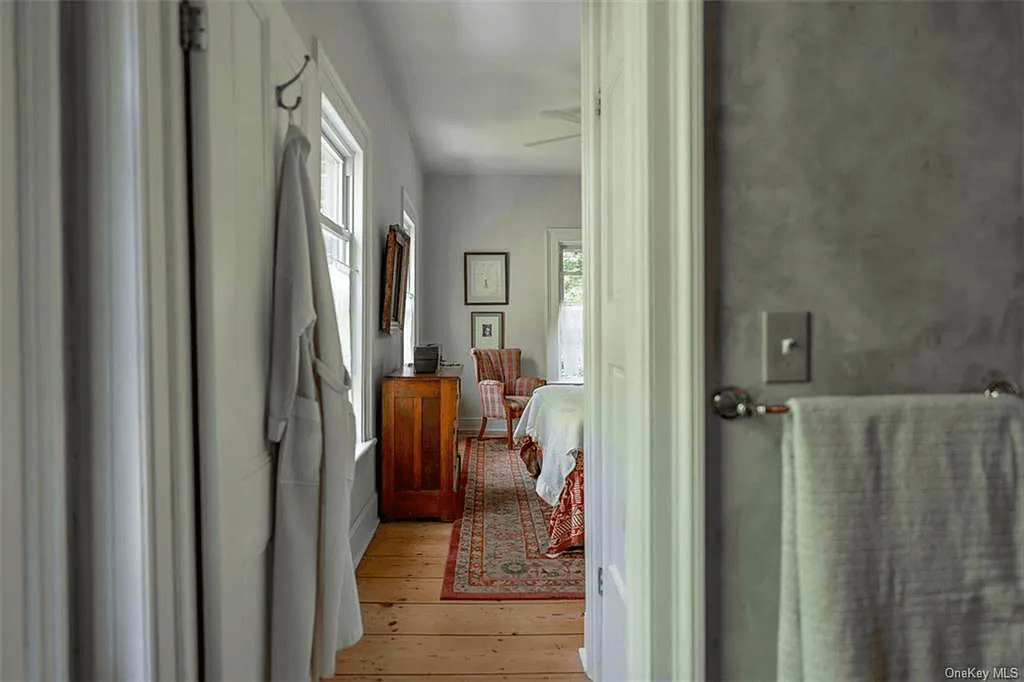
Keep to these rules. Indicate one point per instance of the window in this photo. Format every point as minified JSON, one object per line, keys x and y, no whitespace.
{"x":409,"y":332}
{"x":341,"y":220}
{"x":565,"y":361}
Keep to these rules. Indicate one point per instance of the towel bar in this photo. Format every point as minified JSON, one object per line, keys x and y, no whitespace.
{"x":732,"y":401}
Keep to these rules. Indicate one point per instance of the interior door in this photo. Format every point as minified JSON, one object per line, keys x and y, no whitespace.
{"x":236,"y":140}
{"x":617,"y":273}
{"x":616,"y":351}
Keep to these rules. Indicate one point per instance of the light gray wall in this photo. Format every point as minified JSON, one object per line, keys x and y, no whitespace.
{"x":869,"y":172}
{"x":346,"y":41}
{"x":491,"y":213}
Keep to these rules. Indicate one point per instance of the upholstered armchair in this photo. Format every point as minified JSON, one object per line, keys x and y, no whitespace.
{"x":503,"y":391}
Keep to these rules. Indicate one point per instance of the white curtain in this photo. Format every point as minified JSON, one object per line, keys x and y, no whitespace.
{"x":570,"y":342}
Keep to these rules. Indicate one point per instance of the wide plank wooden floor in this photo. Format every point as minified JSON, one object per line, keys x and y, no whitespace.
{"x":413,"y":636}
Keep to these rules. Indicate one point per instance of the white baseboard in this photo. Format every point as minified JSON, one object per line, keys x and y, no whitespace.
{"x":583,"y":662}
{"x":364,"y":526}
{"x":473,"y":425}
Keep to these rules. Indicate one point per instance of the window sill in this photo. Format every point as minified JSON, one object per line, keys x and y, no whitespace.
{"x":365,"y":447}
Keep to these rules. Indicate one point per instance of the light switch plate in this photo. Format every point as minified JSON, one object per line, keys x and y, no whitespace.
{"x":787,"y":352}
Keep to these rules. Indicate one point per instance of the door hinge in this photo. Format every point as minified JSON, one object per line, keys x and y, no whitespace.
{"x":192,"y":22}
{"x":597,"y":103}
{"x":600,"y":581}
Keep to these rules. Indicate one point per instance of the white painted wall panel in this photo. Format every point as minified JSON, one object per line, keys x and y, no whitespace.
{"x":491,"y":213}
{"x":344,"y":38}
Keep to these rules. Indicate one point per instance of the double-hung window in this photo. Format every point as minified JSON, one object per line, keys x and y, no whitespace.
{"x":341,"y":225}
{"x":570,"y":313}
{"x":565,"y":358}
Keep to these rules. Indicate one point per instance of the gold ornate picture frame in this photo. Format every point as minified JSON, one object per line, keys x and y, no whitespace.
{"x":396,"y":272}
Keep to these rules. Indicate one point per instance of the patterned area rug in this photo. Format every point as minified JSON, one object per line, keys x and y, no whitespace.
{"x":497,"y":547}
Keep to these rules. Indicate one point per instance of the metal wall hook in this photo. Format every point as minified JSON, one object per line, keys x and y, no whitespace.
{"x":281,"y":88}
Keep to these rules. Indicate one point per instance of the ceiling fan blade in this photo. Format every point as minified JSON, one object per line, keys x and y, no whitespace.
{"x":551,"y":139}
{"x":571,"y":114}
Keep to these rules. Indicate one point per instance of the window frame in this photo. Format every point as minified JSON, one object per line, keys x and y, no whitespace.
{"x":412,"y":312}
{"x":353,"y":137}
{"x":562,"y":273}
{"x":556,"y":238}
{"x":347,"y":155}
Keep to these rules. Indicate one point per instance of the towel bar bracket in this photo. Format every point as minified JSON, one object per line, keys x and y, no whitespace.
{"x":732,"y":402}
{"x":996,"y":388}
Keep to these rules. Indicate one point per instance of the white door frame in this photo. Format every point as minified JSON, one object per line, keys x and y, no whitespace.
{"x":50,"y":600}
{"x":133,"y":475}
{"x":174,"y":568}
{"x":589,"y":154}
{"x":666,"y":623}
{"x":34,"y":605}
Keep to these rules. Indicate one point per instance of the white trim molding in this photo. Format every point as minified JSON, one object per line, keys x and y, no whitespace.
{"x":165,"y":210}
{"x":665,"y":543}
{"x":334,"y":90}
{"x":13,"y":650}
{"x":686,"y":35}
{"x":363,"y":528}
{"x":471,"y":425}
{"x":92,"y":241}
{"x":556,"y":236}
{"x":675,"y":77}
{"x":126,"y":410}
{"x":35,"y":626}
{"x":409,"y":207}
{"x":413,"y":321}
{"x":590,"y":209}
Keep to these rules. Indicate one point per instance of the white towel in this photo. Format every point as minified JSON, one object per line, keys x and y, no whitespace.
{"x":902,"y":539}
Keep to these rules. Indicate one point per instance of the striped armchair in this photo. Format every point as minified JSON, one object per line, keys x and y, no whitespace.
{"x":503,"y":391}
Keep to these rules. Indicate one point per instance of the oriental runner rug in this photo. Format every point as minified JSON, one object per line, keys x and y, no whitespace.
{"x":497,"y":546}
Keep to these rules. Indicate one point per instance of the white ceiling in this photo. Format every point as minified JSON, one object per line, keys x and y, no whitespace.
{"x":474,"y":75}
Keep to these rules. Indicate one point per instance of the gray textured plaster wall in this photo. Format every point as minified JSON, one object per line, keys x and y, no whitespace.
{"x":869,"y":172}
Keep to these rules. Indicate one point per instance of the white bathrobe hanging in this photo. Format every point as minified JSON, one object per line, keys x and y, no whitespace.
{"x":311,"y":416}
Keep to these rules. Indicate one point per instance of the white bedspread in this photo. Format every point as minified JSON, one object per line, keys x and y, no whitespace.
{"x":554,"y":420}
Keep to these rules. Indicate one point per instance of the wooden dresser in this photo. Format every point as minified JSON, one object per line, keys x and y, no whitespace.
{"x":419,"y":419}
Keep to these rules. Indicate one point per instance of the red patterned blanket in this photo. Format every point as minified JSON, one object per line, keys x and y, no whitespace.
{"x":566,"y":528}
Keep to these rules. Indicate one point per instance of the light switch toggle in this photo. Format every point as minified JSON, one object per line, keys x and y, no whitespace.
{"x":786,"y":347}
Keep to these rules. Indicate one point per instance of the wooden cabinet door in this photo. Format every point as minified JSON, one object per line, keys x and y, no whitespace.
{"x":417,"y":471}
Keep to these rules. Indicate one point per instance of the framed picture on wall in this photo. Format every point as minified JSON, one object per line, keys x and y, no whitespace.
{"x":396,"y":270}
{"x":486,"y":278}
{"x":487,"y":330}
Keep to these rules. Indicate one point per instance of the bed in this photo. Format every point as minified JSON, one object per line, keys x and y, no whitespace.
{"x":550,"y":440}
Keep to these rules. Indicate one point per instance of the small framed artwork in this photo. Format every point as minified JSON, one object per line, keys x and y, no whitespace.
{"x":488,"y":330}
{"x":396,"y":270}
{"x":486,"y":278}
